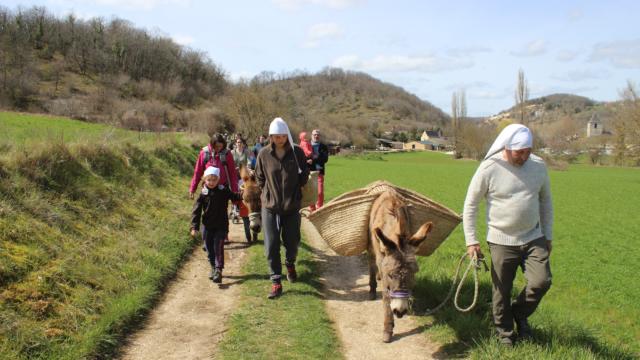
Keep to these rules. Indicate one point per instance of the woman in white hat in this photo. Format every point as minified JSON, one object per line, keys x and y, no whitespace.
{"x":281,"y":171}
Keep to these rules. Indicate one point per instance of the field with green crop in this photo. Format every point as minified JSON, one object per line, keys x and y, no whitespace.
{"x":592,"y":308}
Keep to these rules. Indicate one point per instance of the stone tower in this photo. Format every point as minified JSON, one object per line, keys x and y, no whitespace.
{"x":594,"y":126}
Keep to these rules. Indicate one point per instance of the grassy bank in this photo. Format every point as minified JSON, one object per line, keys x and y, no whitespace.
{"x":92,"y":225}
{"x":591,"y":309}
{"x":295,"y":326}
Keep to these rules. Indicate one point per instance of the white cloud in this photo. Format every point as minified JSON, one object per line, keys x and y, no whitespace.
{"x":185,"y":40}
{"x":622,"y":54}
{"x":532,"y":48}
{"x":402,"y":63}
{"x":567,"y":55}
{"x":319,"y":32}
{"x":581,"y":75}
{"x":468,"y":51}
{"x":332,"y":4}
{"x":491,"y":94}
{"x":129,"y":4}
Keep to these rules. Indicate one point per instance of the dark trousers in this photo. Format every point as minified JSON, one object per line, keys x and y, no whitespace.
{"x":533,"y":258}
{"x":280,"y":229}
{"x":214,"y":242}
{"x":247,"y":227}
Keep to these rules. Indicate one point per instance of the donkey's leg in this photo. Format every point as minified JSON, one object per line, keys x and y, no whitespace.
{"x":388,"y":318}
{"x":373,"y":274}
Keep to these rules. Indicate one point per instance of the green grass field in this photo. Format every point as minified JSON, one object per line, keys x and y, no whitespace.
{"x":92,"y":226}
{"x":591,"y":310}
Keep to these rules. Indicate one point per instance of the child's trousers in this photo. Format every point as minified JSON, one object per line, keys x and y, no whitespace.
{"x":214,"y":241}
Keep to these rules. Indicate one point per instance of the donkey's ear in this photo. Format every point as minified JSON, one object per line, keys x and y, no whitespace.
{"x":388,"y":244}
{"x":421,"y":234}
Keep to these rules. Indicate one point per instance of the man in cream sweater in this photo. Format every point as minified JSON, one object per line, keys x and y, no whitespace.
{"x":519,"y":215}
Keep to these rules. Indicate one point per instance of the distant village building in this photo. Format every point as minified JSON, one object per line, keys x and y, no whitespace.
{"x":386,"y":144}
{"x":433,"y":144}
{"x":594,"y":126}
{"x":431,"y":134}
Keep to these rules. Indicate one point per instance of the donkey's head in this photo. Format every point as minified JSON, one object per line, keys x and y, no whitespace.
{"x":398,"y":247}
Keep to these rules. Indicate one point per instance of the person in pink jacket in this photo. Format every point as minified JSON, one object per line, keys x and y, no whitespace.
{"x":215,"y":154}
{"x":305,"y":145}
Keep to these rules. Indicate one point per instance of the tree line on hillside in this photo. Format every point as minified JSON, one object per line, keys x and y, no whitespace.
{"x":110,"y":71}
{"x":36,"y":48}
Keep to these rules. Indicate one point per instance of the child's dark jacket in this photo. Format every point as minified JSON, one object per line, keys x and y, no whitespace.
{"x":211,"y":206}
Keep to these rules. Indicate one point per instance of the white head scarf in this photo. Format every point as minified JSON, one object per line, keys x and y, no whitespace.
{"x":512,"y":137}
{"x":212,"y":170}
{"x":279,"y":127}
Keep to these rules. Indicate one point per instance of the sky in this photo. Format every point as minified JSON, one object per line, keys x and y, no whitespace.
{"x":429,"y":48}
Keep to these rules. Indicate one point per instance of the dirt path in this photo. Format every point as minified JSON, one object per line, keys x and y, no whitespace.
{"x":191,"y":318}
{"x":357,"y":319}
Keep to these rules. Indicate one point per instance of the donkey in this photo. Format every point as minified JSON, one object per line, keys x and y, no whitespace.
{"x":251,"y":198}
{"x":392,"y":258}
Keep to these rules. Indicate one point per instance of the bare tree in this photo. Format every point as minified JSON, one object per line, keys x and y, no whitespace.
{"x":250,"y":109}
{"x":627,"y":127}
{"x":522,"y":95}
{"x":458,"y":114}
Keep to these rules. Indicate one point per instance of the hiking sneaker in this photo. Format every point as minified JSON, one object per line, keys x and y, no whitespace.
{"x":524,"y":330}
{"x":212,"y":273}
{"x":276,"y":291}
{"x":217,"y":276}
{"x":505,"y":341}
{"x":292,"y":275}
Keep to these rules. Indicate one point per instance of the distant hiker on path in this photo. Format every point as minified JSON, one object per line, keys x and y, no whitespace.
{"x":281,"y":172}
{"x":215,"y":154}
{"x":260,"y":143}
{"x":210,"y":210}
{"x":515,"y":185}
{"x":319,"y":158}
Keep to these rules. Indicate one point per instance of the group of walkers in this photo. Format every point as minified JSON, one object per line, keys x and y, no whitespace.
{"x":513,"y":182}
{"x":281,"y":169}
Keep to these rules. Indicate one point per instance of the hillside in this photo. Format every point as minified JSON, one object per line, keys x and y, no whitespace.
{"x":348,"y":106}
{"x":571,"y":110}
{"x":91,"y":227}
{"x":112,"y":72}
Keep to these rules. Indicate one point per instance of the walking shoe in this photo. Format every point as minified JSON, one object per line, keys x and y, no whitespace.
{"x":276,"y":291}
{"x":292,"y":275}
{"x":505,"y":341}
{"x":217,"y":276}
{"x":524,"y":330}
{"x":212,"y":273}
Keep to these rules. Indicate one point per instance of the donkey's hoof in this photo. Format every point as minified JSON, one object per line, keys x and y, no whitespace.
{"x":386,"y":337}
{"x":373,"y":295}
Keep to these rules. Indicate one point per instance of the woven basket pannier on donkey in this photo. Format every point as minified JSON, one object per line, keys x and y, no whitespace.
{"x":310,"y":190}
{"x":344,"y":221}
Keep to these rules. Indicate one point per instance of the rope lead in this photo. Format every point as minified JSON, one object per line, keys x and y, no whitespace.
{"x":475,"y":264}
